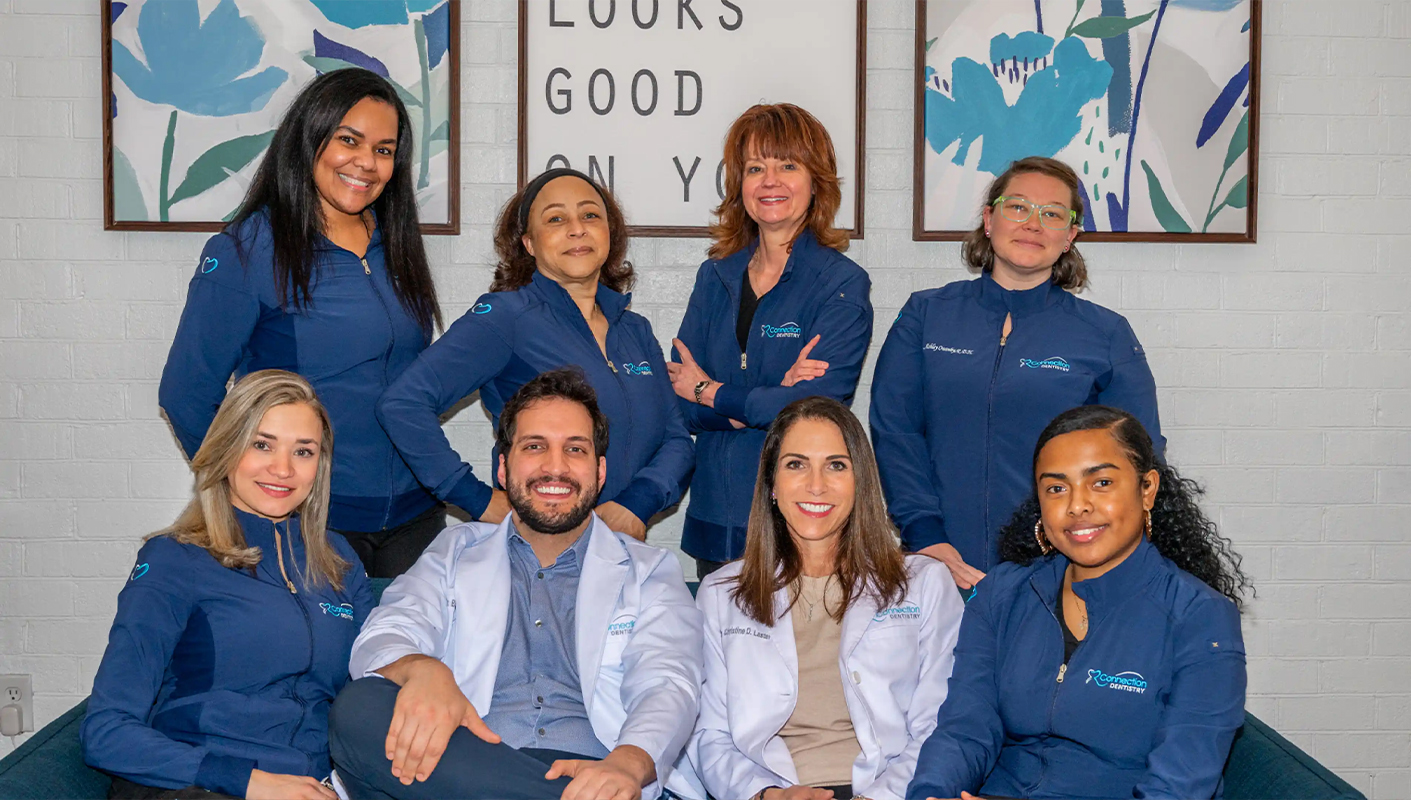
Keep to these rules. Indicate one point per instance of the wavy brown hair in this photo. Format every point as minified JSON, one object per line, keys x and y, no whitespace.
{"x":789,"y":133}
{"x":869,"y":560}
{"x":1070,"y":271}
{"x":516,"y":267}
{"x":209,"y":520}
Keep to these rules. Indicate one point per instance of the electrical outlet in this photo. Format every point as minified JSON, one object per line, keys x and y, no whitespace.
{"x":18,"y":690}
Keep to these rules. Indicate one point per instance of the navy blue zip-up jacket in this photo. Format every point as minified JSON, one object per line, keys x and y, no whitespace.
{"x":504,"y":341}
{"x":1147,"y":707}
{"x":351,"y":341}
{"x":821,"y":291}
{"x":211,"y":672}
{"x":956,"y":410}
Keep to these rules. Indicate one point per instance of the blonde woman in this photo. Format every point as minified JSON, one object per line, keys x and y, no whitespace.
{"x":234,"y":629}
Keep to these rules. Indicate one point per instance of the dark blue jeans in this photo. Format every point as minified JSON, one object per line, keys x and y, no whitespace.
{"x":470,"y":769}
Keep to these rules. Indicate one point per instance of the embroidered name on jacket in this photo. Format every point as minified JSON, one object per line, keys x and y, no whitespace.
{"x":1048,"y":363}
{"x":940,"y":348}
{"x":1122,"y":681}
{"x":741,"y":631}
{"x":789,"y":330}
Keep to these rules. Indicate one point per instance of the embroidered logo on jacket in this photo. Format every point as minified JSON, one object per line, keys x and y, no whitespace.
{"x":956,"y":351}
{"x":209,"y":265}
{"x":138,"y":571}
{"x":622,"y":626}
{"x":637,"y":369}
{"x":904,"y":610}
{"x":789,"y":330}
{"x":1122,"y":681}
{"x":341,"y":611}
{"x":480,"y":308}
{"x":1053,"y":362}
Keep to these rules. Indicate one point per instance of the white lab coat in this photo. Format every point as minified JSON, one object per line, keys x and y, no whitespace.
{"x":895,"y":664}
{"x":638,"y":634}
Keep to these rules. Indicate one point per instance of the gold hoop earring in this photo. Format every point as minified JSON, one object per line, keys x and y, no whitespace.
{"x":1044,"y":546}
{"x":1148,"y":525}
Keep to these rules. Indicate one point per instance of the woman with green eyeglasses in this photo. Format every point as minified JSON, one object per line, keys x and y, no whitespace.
{"x":972,"y":371}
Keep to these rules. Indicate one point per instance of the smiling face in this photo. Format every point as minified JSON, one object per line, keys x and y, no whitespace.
{"x":551,"y":474}
{"x":277,"y":471}
{"x":814,"y":486}
{"x":1092,"y":500}
{"x":568,"y":232}
{"x":1025,"y":252}
{"x":776,"y":192}
{"x":356,"y":163}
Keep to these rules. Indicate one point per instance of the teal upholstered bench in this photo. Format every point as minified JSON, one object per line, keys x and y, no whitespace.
{"x":1263,"y":765}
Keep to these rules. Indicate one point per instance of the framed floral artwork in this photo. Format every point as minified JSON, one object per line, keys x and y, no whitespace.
{"x":196,"y":88}
{"x":1153,"y":103}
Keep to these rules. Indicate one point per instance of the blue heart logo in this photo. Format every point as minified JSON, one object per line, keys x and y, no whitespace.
{"x":209,"y":265}
{"x":138,"y":571}
{"x":481,"y":308}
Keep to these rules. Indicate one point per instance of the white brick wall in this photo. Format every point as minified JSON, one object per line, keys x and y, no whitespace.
{"x":1284,"y":367}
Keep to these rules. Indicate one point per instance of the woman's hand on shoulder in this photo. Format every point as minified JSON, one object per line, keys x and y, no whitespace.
{"x":276,"y":786}
{"x":965,"y":575}
{"x":618,"y":518}
{"x":498,"y":507}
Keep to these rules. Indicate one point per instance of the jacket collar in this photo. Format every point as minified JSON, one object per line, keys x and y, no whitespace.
{"x":614,"y":304}
{"x":1106,"y":592}
{"x":731,"y":268}
{"x":1019,"y":303}
{"x":259,"y":532}
{"x":322,"y":242}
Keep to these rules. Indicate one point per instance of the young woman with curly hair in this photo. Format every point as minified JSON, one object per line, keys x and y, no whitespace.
{"x":559,"y":298}
{"x":1104,"y":657}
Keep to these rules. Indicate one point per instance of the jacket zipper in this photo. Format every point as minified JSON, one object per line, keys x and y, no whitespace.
{"x":989,"y":425}
{"x":1057,"y":685}
{"x":386,"y":359}
{"x":308,"y":624}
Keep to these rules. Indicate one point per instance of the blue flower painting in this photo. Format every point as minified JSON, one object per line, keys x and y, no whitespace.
{"x":1148,"y":100}
{"x":201,"y":87}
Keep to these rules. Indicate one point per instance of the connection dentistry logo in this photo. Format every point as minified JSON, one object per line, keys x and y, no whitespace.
{"x":905,"y":610}
{"x":637,"y":369}
{"x":1122,"y":681}
{"x":1048,"y":363}
{"x":789,"y":330}
{"x":341,"y":611}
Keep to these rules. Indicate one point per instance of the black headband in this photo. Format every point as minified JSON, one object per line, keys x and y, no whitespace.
{"x":537,"y":185}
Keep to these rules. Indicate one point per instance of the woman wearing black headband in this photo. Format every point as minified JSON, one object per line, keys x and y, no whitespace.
{"x":558,"y":299}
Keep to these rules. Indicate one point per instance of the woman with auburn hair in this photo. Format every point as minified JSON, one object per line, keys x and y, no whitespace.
{"x":234,"y":630}
{"x":778,"y":313}
{"x":559,"y":298}
{"x":827,"y":649}
{"x":972,"y":371}
{"x":1104,"y":658}
{"x":323,"y":272}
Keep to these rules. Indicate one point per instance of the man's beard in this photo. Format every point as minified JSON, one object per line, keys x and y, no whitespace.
{"x":522,"y":501}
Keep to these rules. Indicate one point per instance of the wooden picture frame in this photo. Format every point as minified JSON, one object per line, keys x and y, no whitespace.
{"x":642,"y":209}
{"x":158,"y":81}
{"x":1190,"y":148}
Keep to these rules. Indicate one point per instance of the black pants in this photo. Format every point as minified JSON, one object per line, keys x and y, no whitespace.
{"x":704,"y":567}
{"x":127,"y":790}
{"x":390,"y":552}
{"x":470,"y":769}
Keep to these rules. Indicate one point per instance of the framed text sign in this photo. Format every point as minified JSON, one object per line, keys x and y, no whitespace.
{"x":1154,"y":103}
{"x":194,"y":91}
{"x":639,"y":94}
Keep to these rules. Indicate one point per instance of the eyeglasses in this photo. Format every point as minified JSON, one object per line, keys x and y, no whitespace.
{"x":1054,"y":217}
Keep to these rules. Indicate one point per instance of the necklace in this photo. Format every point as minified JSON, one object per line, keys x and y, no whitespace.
{"x":810,"y":605}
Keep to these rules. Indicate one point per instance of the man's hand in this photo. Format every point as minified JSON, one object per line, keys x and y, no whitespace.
{"x":275,"y":786}
{"x":687,"y":374}
{"x":620,"y":776}
{"x":618,"y":518}
{"x":805,"y":368}
{"x":965,"y":575}
{"x":430,"y":706}
{"x":498,"y":509}
{"x":798,"y":793}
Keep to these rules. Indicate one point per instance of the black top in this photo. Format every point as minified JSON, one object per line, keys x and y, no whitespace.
{"x":1070,"y":642}
{"x":748,"y":304}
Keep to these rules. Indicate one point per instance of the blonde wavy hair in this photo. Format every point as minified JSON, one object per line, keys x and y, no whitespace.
{"x":209,"y":519}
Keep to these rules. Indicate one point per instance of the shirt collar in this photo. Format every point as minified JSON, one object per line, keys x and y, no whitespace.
{"x":614,"y":304}
{"x":1021,"y":302}
{"x":571,"y":559}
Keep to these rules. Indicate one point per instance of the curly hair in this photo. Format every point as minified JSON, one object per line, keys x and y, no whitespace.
{"x":787,"y":132}
{"x":516,"y":267}
{"x":1180,"y":531}
{"x":1070,"y":271}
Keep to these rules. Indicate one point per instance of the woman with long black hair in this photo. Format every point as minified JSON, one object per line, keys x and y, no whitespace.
{"x":1104,"y":657}
{"x":323,"y":272}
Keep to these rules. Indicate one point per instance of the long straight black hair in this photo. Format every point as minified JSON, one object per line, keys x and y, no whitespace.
{"x":284,"y":187}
